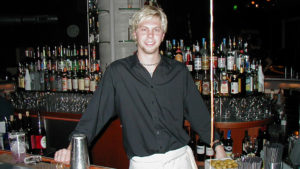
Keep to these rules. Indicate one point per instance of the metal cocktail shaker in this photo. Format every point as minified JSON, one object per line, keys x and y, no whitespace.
{"x":79,"y":152}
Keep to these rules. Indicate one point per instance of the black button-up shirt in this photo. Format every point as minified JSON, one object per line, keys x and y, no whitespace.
{"x":151,"y":109}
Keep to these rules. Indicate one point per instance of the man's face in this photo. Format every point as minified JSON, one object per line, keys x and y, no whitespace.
{"x":149,"y":35}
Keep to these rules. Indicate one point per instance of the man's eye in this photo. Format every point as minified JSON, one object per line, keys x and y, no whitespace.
{"x":157,"y":30}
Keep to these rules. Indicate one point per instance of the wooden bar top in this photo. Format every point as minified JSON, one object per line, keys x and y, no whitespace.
{"x":47,"y":163}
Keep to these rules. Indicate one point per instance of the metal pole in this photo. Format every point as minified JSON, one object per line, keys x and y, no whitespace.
{"x":211,"y":73}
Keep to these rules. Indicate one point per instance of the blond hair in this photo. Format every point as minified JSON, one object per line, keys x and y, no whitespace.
{"x":147,"y":13}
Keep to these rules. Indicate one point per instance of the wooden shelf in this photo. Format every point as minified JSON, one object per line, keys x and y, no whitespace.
{"x":56,"y":116}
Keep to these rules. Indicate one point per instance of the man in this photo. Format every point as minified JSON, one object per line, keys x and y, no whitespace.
{"x":152,"y":95}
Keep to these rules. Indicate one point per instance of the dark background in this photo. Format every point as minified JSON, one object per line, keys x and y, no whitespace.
{"x":188,"y":20}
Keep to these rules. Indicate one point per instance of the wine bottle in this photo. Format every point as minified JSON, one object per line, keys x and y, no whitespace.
{"x":246,"y":144}
{"x":40,"y":136}
{"x":200,"y":150}
{"x":228,"y":144}
{"x":28,"y":131}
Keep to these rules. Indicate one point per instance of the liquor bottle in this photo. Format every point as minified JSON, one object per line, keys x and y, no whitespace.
{"x":234,"y":84}
{"x":221,"y":59}
{"x":216,"y":83}
{"x":246,"y":144}
{"x":64,"y":81}
{"x":178,"y":55}
{"x":93,"y":82}
{"x":81,"y":81}
{"x":230,"y":58}
{"x":69,"y":80}
{"x":28,"y":131}
{"x":224,"y":85}
{"x":189,"y":63}
{"x":75,"y":80}
{"x":206,"y":84}
{"x":241,"y":81}
{"x":249,"y":82}
{"x":40,"y":136}
{"x":228,"y":144}
{"x":254,"y":75}
{"x":200,"y":150}
{"x":259,"y":142}
{"x":205,"y":58}
{"x":239,"y":54}
{"x":59,"y":81}
{"x":174,"y":49}
{"x":21,"y":78}
{"x":266,"y":136}
{"x":246,"y":58}
{"x":260,"y":78}
{"x":87,"y":81}
{"x":198,"y":80}
{"x":192,"y":143}
{"x":27,"y":80}
{"x":209,"y":152}
{"x":197,"y":59}
{"x":46,"y":80}
{"x":53,"y":80}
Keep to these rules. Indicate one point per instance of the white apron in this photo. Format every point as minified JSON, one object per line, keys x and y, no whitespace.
{"x":181,"y":158}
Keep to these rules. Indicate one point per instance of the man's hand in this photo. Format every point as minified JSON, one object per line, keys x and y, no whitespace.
{"x":220,"y":152}
{"x":63,"y":155}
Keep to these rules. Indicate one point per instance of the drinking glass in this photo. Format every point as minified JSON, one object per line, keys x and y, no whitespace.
{"x":17,"y":146}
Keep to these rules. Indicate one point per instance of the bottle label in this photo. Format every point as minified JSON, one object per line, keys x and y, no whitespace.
{"x":230,"y":62}
{"x":205,"y":88}
{"x":64,"y":84}
{"x":40,"y":142}
{"x":234,"y":87}
{"x":198,"y":83}
{"x":224,"y":87}
{"x":205,"y":63}
{"x":86,"y":84}
{"x":215,"y":61}
{"x":200,"y":149}
{"x":93,"y":86}
{"x":69,"y":84}
{"x":209,"y":151}
{"x":249,"y":84}
{"x":81,"y":84}
{"x":221,"y":63}
{"x":228,"y":150}
{"x":75,"y":84}
{"x":197,"y":63}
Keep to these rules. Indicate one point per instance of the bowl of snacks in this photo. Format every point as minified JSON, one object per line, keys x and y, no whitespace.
{"x":226,"y":163}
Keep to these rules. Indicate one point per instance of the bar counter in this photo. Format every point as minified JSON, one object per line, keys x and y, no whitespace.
{"x":47,"y":163}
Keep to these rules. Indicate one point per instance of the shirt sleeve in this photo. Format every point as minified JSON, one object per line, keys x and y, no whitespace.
{"x":100,"y":109}
{"x":196,"y":111}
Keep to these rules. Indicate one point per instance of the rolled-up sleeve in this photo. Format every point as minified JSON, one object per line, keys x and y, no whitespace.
{"x":100,"y":109}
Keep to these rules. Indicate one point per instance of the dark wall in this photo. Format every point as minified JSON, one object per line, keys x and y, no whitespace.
{"x":32,"y":22}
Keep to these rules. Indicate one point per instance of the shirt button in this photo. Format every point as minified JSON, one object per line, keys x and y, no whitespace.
{"x":151,"y":86}
{"x":157,"y":132}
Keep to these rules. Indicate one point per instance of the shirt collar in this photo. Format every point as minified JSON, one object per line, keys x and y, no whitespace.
{"x":164,"y":62}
